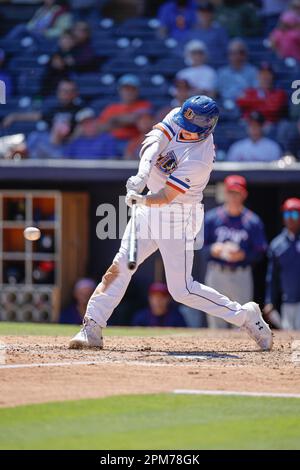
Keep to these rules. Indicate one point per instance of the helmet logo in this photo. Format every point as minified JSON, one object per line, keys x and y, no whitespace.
{"x":189,"y":114}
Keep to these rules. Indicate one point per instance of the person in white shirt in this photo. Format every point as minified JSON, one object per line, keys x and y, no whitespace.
{"x":177,"y":158}
{"x":255,"y":148}
{"x":201,"y":76}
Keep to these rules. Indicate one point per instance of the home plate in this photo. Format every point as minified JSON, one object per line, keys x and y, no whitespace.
{"x":204,"y":356}
{"x":198,"y":357}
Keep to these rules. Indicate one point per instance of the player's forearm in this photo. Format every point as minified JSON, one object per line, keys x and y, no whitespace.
{"x":157,"y":199}
{"x":148,"y":156}
{"x":162,"y":197}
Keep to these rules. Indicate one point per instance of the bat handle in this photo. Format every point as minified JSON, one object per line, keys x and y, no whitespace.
{"x":132,"y":255}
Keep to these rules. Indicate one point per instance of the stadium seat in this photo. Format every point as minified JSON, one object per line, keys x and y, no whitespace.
{"x":168,"y":66}
{"x":20,"y":127}
{"x":227,"y":133}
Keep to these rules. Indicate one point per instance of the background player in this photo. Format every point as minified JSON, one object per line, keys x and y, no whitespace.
{"x":284,"y":268}
{"x":235,"y":239}
{"x":177,"y":158}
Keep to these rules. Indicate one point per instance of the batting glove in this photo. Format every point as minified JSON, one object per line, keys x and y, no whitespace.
{"x":132,"y":196}
{"x":136,"y":183}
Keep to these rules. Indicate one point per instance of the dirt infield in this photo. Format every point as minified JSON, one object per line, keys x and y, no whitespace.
{"x":42,"y":369}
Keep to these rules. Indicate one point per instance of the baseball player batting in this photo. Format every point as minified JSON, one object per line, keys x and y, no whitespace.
{"x":176,"y":160}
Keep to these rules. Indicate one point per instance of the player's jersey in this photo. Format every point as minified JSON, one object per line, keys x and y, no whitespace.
{"x":183,"y":165}
{"x":245,"y":230}
{"x":284,"y":269}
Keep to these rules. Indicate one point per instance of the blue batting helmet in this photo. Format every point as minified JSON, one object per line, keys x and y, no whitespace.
{"x":198,"y":114}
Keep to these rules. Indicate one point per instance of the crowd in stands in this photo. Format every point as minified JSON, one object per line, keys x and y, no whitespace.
{"x":81,"y":85}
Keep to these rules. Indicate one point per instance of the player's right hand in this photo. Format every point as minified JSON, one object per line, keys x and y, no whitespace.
{"x":136,"y":183}
{"x":132,"y":197}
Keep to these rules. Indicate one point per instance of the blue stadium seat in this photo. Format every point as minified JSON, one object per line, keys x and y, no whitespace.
{"x":29,"y":81}
{"x":168,"y":66}
{"x":92,"y":85}
{"x":21,"y":104}
{"x":125,"y":64}
{"x":227,"y":133}
{"x":12,"y":46}
{"x":138,"y":27}
{"x":155,"y":48}
{"x":20,"y":127}
{"x":109,"y":47}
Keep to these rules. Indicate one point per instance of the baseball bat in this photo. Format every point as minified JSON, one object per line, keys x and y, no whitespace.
{"x":132,"y":252}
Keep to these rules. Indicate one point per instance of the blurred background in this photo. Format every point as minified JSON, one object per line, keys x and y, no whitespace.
{"x":85,"y":80}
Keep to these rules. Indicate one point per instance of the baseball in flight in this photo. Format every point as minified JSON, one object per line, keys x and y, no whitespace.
{"x":32,"y":233}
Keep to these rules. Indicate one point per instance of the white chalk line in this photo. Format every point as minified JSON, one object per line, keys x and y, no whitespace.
{"x":82,"y":363}
{"x":235,"y":393}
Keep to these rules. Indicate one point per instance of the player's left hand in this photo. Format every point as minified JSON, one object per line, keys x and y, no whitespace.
{"x":236,"y":256}
{"x":133,"y":196}
{"x":136,"y":183}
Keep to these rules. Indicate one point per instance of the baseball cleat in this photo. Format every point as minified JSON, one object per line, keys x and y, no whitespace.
{"x":256,"y":327}
{"x":90,"y":336}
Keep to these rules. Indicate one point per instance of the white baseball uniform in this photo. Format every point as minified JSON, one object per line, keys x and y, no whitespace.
{"x":186,"y":166}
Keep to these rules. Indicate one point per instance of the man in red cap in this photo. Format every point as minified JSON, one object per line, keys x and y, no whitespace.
{"x":283,"y":276}
{"x":235,"y":240}
{"x":160,"y":311}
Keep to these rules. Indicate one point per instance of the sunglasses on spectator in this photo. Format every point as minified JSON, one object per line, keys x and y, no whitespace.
{"x":294,"y":215}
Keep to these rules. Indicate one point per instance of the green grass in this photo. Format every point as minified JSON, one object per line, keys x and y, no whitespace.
{"x":154,"y":422}
{"x":52,"y":329}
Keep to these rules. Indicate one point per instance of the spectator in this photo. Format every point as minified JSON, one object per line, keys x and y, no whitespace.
{"x":83,"y":54}
{"x":294,"y":6}
{"x":89,"y":143}
{"x":49,"y":144}
{"x":5,"y":76}
{"x":82,"y":291}
{"x":201,"y":76}
{"x":176,"y":18}
{"x":235,"y":241}
{"x":60,"y":64}
{"x":285,"y":38}
{"x":144,"y":125}
{"x":159,"y":312}
{"x":181,"y":91}
{"x":255,"y":148}
{"x":270,"y":11}
{"x":282,"y":282}
{"x":67,"y":103}
{"x":120,"y":118}
{"x":271,"y":102}
{"x":239,"y":17}
{"x":49,"y":21}
{"x":210,"y":32}
{"x":239,"y":75}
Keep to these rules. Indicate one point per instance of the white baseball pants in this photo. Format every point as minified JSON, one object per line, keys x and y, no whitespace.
{"x":290,"y":316}
{"x":236,"y":284}
{"x":171,"y":229}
